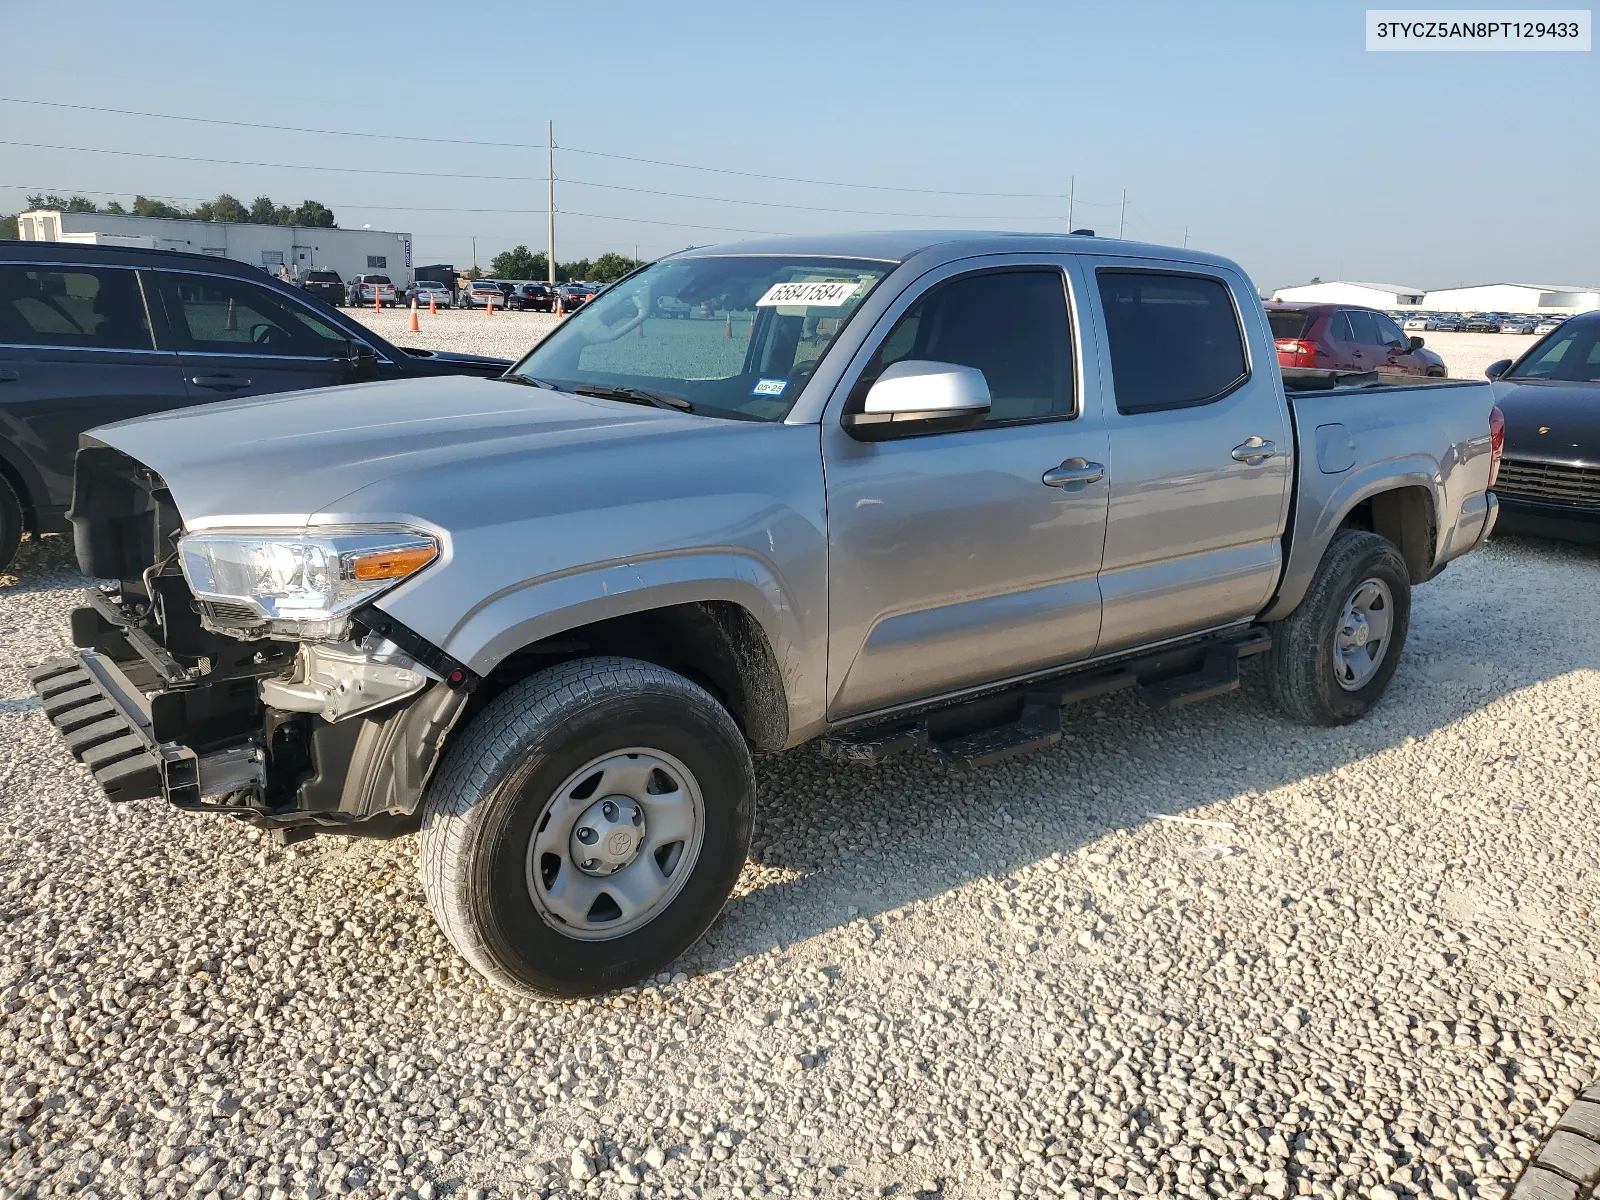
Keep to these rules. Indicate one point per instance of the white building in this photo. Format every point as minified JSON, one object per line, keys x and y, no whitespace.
{"x":298,"y":247}
{"x":1515,"y":297}
{"x":1370,"y":295}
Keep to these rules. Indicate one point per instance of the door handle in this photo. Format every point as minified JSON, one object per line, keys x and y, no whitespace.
{"x":1254,"y":450}
{"x":1073,"y":474}
{"x":9,"y":376}
{"x":221,"y":383}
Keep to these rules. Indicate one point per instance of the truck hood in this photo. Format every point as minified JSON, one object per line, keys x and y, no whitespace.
{"x":1551,"y":422}
{"x":286,"y":460}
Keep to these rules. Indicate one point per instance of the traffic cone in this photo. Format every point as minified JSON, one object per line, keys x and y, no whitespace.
{"x":489,"y":310}
{"x":415,"y":328}
{"x":233,"y":317}
{"x":561,"y":309}
{"x":727,"y":328}
{"x":433,"y":305}
{"x":377,"y":300}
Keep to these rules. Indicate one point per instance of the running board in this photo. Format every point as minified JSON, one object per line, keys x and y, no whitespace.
{"x":1019,"y":720}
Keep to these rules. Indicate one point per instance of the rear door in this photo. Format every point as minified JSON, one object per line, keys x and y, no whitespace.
{"x":78,"y":348}
{"x":1201,"y":450}
{"x":236,"y":338}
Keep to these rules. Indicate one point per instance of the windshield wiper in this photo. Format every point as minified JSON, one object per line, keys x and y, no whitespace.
{"x":636,"y":396}
{"x":529,"y":381}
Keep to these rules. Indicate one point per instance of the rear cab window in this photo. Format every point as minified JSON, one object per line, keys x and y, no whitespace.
{"x":1288,"y":326}
{"x":1175,"y":339}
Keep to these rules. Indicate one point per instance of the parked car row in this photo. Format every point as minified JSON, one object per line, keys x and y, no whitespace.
{"x":1439,"y":322}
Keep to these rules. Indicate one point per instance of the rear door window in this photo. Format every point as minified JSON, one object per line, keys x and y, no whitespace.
{"x":1363,"y":328}
{"x":90,"y":308}
{"x":1175,"y":339}
{"x":216,"y":315}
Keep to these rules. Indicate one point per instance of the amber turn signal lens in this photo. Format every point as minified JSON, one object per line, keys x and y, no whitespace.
{"x":391,"y":564}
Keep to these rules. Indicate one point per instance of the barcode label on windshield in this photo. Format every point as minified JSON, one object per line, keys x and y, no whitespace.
{"x":820,"y":293}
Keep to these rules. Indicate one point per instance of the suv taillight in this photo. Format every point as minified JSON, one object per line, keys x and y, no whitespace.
{"x":1497,"y":442}
{"x":1296,"y":347}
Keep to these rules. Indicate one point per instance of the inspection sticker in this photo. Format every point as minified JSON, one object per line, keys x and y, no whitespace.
{"x":769,"y":387}
{"x":828,"y":293}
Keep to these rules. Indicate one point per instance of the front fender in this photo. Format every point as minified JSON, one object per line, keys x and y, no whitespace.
{"x":1323,"y":503}
{"x":553,"y":604}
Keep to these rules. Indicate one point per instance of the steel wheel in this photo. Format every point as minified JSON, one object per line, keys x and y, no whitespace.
{"x":615,"y":844}
{"x":1362,"y":637}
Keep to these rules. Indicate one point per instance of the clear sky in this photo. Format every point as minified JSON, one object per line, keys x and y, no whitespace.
{"x":1265,"y":129}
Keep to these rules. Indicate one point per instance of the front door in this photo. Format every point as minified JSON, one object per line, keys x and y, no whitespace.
{"x":1399,"y":358}
{"x":1202,"y":451}
{"x":77,"y":350}
{"x":236,"y":338}
{"x":952,"y":561}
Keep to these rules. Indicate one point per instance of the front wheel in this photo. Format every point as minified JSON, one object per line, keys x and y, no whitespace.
{"x":1332,"y":658}
{"x":587,"y":827}
{"x":10,"y":523}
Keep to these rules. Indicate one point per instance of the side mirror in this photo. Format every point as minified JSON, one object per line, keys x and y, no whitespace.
{"x":362,"y":357}
{"x":1496,"y":369}
{"x":916,"y":397}
{"x":1416,"y":343}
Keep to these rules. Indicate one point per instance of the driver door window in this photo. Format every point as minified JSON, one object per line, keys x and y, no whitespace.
{"x":230,"y":316}
{"x":235,"y":338}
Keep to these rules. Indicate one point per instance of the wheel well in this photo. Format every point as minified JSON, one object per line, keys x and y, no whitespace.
{"x":1405,"y":517}
{"x":716,"y":643}
{"x":30,"y":520}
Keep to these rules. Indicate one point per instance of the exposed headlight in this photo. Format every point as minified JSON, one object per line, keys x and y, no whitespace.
{"x":298,"y":585}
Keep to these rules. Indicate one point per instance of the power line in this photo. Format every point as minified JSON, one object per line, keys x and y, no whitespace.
{"x":859,"y":212}
{"x":234,"y":162}
{"x":398,"y":137}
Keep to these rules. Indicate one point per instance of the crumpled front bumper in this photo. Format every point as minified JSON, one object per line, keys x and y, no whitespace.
{"x":115,"y":730}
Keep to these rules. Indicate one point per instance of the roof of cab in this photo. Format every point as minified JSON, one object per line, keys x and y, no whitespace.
{"x":897,"y":246}
{"x":128,"y":256}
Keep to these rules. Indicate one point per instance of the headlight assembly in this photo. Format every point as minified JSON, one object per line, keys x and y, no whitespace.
{"x":299,"y":585}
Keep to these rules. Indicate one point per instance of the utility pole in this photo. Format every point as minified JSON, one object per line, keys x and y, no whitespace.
{"x":474,"y":253}
{"x":1185,"y":237}
{"x":1072,"y":194}
{"x":1123,"y":224}
{"x":550,"y":195}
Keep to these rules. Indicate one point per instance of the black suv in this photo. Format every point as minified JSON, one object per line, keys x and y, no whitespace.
{"x":325,"y":285}
{"x":533,"y":297}
{"x":95,"y":334}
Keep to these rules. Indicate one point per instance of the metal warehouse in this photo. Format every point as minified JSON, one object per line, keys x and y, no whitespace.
{"x":1372,"y":295}
{"x":1515,"y":297}
{"x":298,"y":248}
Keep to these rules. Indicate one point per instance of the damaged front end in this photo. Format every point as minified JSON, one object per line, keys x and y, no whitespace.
{"x":246,"y":672}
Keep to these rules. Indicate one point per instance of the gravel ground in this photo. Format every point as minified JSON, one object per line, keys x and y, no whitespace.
{"x":509,"y":335}
{"x":1374,"y":975}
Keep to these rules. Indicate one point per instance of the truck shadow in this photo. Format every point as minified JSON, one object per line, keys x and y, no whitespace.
{"x":831,"y":838}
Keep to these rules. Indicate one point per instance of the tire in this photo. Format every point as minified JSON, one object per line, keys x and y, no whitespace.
{"x":1309,"y":658}
{"x":10,"y":523}
{"x":1564,"y":1164}
{"x":503,"y":820}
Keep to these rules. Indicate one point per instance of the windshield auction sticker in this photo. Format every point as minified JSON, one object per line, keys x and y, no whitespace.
{"x":821,"y":293}
{"x":1477,"y":29}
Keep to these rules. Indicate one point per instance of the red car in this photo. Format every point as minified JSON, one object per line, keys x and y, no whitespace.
{"x":1343,"y":337}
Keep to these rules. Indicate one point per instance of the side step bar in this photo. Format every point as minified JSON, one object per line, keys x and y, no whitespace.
{"x":1023,"y":719}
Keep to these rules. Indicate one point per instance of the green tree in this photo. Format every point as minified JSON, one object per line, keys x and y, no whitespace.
{"x":518,"y":263}
{"x":8,"y":227}
{"x":66,"y":203}
{"x":115,"y":206}
{"x":610,"y":267}
{"x":261,"y":210}
{"x":578,"y":268}
{"x":224,"y":208}
{"x":143,"y":206}
{"x":315,"y":214}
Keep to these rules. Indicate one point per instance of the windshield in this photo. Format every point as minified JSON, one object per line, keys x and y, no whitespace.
{"x":1571,"y":355}
{"x":735,"y":336}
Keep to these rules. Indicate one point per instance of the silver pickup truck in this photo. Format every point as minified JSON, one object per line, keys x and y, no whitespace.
{"x":893,"y":491}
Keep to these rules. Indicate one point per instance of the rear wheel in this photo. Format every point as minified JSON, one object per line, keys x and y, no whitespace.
{"x":587,"y":827}
{"x":1332,"y":658}
{"x":10,"y":523}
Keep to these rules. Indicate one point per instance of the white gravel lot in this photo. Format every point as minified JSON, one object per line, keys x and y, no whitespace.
{"x":510,"y":335}
{"x":993,"y":983}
